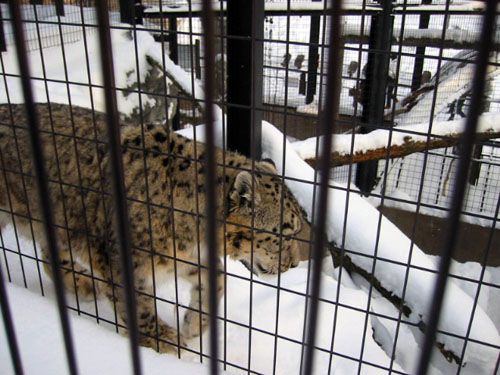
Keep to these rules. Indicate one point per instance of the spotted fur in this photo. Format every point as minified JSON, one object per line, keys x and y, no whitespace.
{"x":165,"y":185}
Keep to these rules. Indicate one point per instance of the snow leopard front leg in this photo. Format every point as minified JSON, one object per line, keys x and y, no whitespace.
{"x":197,"y":317}
{"x":154,"y":332}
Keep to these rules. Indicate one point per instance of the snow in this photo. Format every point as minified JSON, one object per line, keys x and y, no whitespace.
{"x":348,"y":337}
{"x":99,"y":350}
{"x":391,"y":245}
{"x":360,"y":235}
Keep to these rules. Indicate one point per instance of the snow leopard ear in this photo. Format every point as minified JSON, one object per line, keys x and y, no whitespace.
{"x":243,"y":194}
{"x":267,"y":165}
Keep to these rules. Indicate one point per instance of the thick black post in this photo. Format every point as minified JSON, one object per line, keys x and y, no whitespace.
{"x":173,"y":47}
{"x":197,"y":59}
{"x":245,"y":28}
{"x":127,"y":14}
{"x":374,"y":95}
{"x":3,"y":44}
{"x":312,"y":64}
{"x":131,"y":11}
{"x":207,"y":20}
{"x":60,"y":8}
{"x":122,"y":225}
{"x":420,"y":51}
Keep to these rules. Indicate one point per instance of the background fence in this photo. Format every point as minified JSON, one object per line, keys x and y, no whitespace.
{"x":411,"y":73}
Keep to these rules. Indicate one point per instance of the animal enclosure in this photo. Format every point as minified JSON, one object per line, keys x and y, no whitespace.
{"x":260,"y":187}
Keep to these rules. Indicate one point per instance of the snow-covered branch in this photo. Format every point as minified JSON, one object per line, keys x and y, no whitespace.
{"x":398,"y":141}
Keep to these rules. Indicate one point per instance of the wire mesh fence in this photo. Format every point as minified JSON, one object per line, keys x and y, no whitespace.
{"x":121,"y":187}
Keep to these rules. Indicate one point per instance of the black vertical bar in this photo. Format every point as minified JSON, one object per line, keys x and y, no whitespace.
{"x":42,"y":185}
{"x":173,"y":47}
{"x":467,"y":143}
{"x":418,"y":67}
{"x":245,"y":22}
{"x":302,"y":84}
{"x":211,"y":206}
{"x":171,"y":203}
{"x":121,"y":212}
{"x":3,"y":44}
{"x":127,"y":11}
{"x":327,"y":122}
{"x":475,"y":168}
{"x":257,"y":81}
{"x":312,"y":62}
{"x":60,"y":7}
{"x":139,"y":12}
{"x":197,"y":59}
{"x":9,"y":328}
{"x":376,"y":82}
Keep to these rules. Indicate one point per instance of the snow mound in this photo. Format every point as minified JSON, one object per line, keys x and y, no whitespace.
{"x":98,"y":350}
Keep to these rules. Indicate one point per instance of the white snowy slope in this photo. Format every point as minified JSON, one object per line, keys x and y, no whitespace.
{"x":98,"y":350}
{"x":260,"y":312}
{"x":454,"y":81}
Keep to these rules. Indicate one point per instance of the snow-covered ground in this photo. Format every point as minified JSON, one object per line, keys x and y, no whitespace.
{"x":31,"y":316}
{"x":99,"y":350}
{"x":344,"y":306}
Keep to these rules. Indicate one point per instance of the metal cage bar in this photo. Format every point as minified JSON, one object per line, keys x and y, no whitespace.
{"x":121,"y":213}
{"x":42,"y":186}
{"x":60,"y":7}
{"x":3,"y":45}
{"x":467,"y":144}
{"x":9,"y":328}
{"x":327,"y":123}
{"x":211,"y":205}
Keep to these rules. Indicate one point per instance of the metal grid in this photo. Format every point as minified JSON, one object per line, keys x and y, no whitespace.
{"x":438,"y":182}
{"x":451,"y":168}
{"x":44,"y":27}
